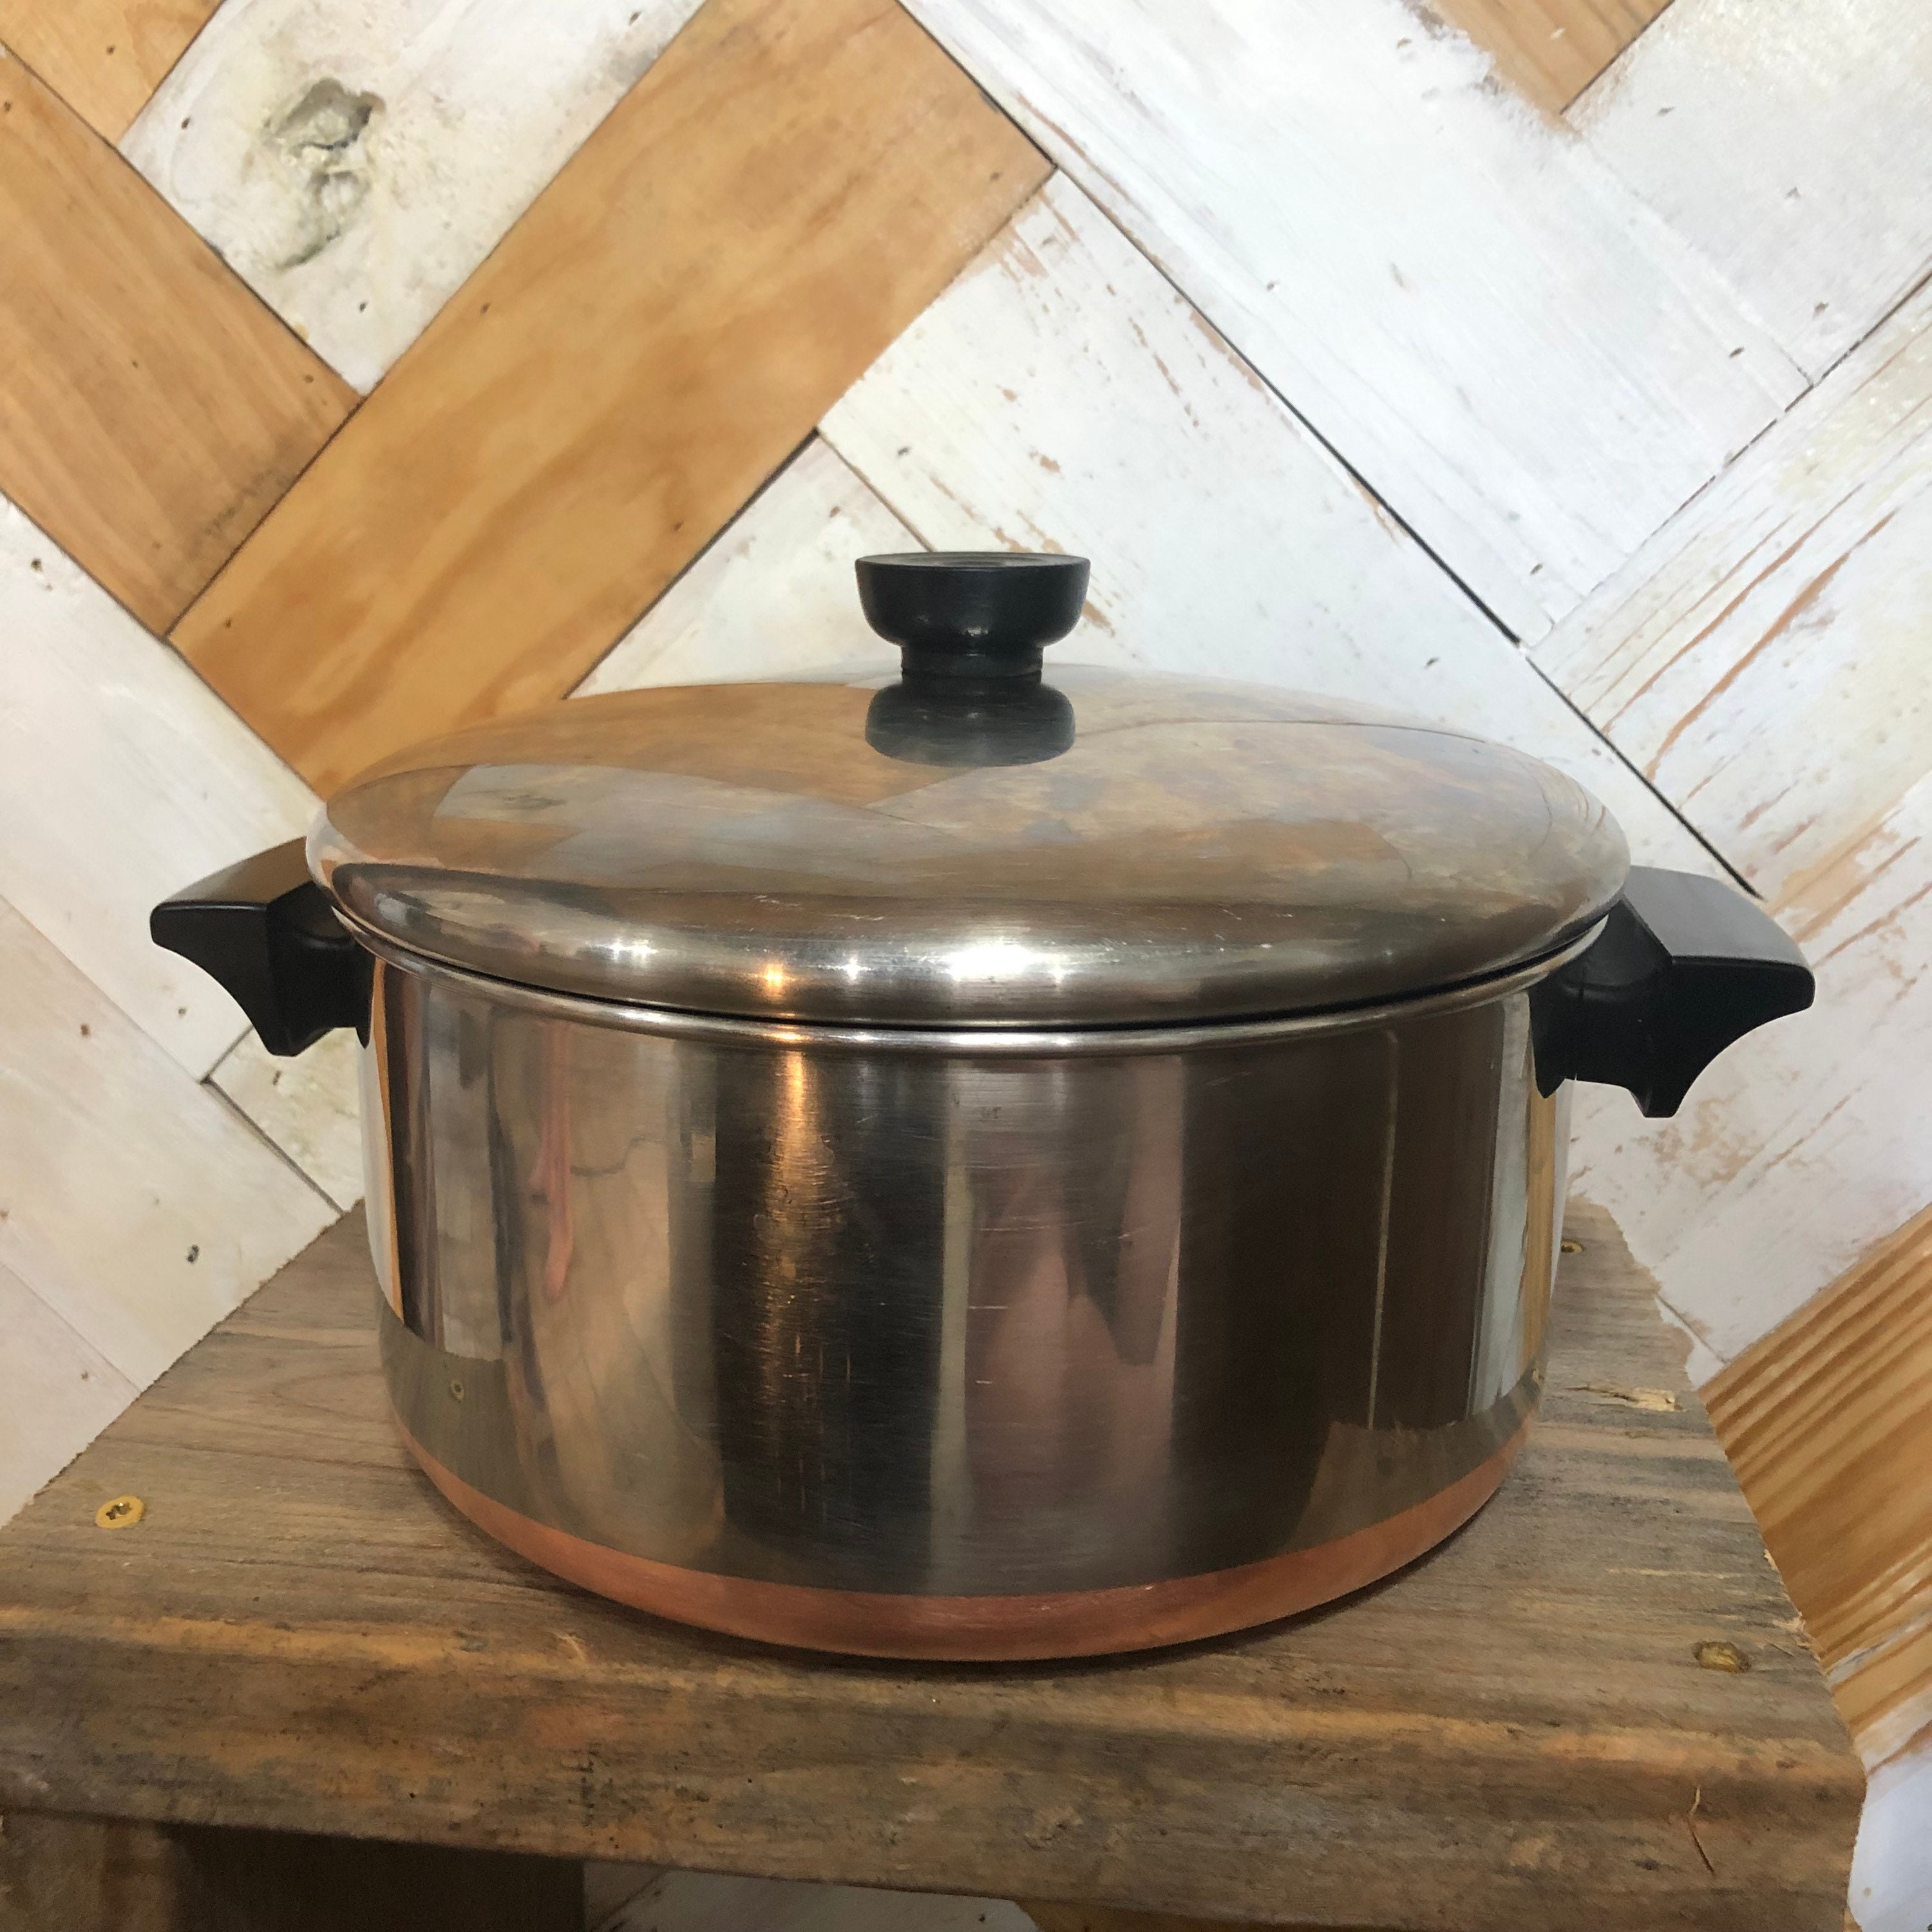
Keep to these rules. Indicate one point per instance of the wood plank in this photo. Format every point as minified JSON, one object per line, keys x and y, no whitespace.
{"x":309,"y":1106}
{"x":103,"y":58}
{"x":133,"y":1202}
{"x":1550,"y":50}
{"x":1822,"y":1420}
{"x":56,"y":1393}
{"x":150,"y":409}
{"x":1461,"y":299}
{"x":354,"y":165}
{"x":1507,"y":1737}
{"x":64,"y":1874}
{"x":1788,"y":141}
{"x":775,"y":594}
{"x":123,"y":778}
{"x":1762,"y":661}
{"x":456,"y":554}
{"x":1061,"y":395}
{"x":1892,"y":1876}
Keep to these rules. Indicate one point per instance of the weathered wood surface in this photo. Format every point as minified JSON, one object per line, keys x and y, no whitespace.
{"x":150,"y":409}
{"x":1828,"y":1422}
{"x":68,"y":1874}
{"x":1762,"y":662}
{"x":103,"y":58}
{"x":1789,"y":141}
{"x":123,"y":778}
{"x":1061,"y":395}
{"x":1524,"y":365}
{"x":1551,"y":50}
{"x":1514,"y":1734}
{"x":643,"y":349}
{"x":354,"y":164}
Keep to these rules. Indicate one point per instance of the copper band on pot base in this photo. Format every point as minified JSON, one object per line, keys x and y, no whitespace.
{"x":1077,"y":1623}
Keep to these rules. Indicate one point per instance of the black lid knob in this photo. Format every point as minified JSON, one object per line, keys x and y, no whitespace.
{"x":972,"y":613}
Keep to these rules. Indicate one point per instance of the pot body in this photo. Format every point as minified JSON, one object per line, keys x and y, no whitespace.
{"x":958,"y":1344}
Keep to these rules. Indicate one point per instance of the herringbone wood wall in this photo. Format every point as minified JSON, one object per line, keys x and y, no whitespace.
{"x":366,"y":370}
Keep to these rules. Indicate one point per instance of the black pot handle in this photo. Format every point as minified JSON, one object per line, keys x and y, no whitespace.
{"x":267,"y":932}
{"x":1683,"y":966}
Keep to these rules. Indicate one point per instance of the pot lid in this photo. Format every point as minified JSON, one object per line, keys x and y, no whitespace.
{"x":968,"y":844}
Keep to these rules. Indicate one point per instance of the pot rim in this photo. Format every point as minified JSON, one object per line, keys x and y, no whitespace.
{"x":972,"y":1041}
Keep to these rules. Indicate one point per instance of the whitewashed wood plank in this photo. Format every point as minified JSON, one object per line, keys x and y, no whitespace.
{"x":354,"y":163}
{"x":1891,"y":1869}
{"x":711,"y":1902}
{"x":1519,"y":357}
{"x":56,"y":1393}
{"x":1809,"y":1140}
{"x":1764,"y":658}
{"x":134,"y":1202}
{"x":774,"y":593}
{"x":1791,"y":142}
{"x":308,"y":1105}
{"x":123,"y":778}
{"x":1061,"y":395}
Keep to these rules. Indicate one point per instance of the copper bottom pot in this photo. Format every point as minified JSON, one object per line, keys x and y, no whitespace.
{"x":956,"y":1345}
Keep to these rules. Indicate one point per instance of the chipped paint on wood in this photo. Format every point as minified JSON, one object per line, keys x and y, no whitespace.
{"x":1526,"y":365}
{"x":123,"y":778}
{"x":1790,"y":142}
{"x":1061,"y":395}
{"x":355,"y":162}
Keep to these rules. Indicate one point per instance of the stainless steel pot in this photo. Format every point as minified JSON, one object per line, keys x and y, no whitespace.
{"x":965,"y":1166}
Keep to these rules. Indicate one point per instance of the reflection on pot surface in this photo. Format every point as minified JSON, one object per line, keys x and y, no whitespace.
{"x":882,"y":1318}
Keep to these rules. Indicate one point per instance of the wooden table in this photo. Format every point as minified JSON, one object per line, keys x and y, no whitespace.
{"x":1593,"y":1708}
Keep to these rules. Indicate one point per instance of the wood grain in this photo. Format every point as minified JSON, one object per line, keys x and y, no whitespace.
{"x":1550,"y":50}
{"x":132,"y":1201}
{"x":123,"y":778}
{"x":1506,"y":1737}
{"x":150,"y":409}
{"x":309,"y":1106}
{"x":1061,"y":395}
{"x":775,"y":594}
{"x":103,"y":58}
{"x":1828,"y":1421}
{"x":1460,"y":298}
{"x":354,"y":164}
{"x":1762,"y":661}
{"x":669,"y":318}
{"x":1788,"y":142}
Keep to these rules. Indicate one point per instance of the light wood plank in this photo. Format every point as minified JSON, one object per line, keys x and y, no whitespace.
{"x":1524,"y":365}
{"x":1892,"y":1873}
{"x":774,"y":595}
{"x":1828,"y":1421}
{"x":1762,"y":660}
{"x":669,"y":319}
{"x":1805,"y":1141}
{"x":123,"y":778}
{"x":56,"y":1393}
{"x":136,"y":1204}
{"x":1509,"y":1734}
{"x":1061,"y":395}
{"x":1790,"y":141}
{"x":1551,"y":50}
{"x":354,"y":164}
{"x":103,"y":58}
{"x":309,"y":1106}
{"x":150,"y":409}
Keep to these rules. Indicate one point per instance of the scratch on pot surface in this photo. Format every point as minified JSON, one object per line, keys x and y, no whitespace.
{"x":321,"y":141}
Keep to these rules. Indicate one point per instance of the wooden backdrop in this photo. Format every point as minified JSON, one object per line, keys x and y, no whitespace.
{"x":1560,"y":367}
